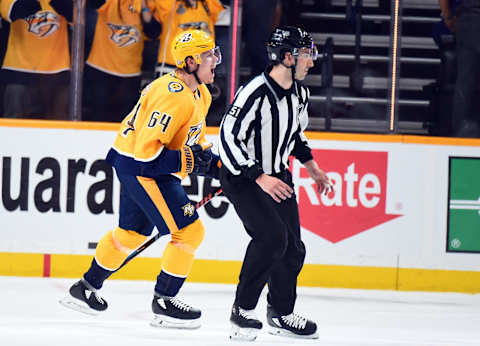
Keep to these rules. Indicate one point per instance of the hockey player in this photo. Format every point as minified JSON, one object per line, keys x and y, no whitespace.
{"x":259,"y":133}
{"x":159,"y":143}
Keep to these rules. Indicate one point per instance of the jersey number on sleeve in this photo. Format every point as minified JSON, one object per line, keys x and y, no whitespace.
{"x":162,"y":120}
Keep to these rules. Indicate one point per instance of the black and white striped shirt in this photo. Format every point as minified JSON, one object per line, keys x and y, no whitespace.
{"x":263,"y":127}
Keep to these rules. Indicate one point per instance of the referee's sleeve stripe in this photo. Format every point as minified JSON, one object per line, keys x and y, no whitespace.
{"x":245,"y":117}
{"x":307,"y":96}
{"x":235,"y":154}
{"x":295,"y":135}
{"x":257,"y":140}
{"x":231,"y":137}
{"x":248,"y":133}
{"x":275,"y":129}
{"x":243,"y":121}
{"x":299,"y":90}
{"x":286,"y":137}
{"x":226,"y":149}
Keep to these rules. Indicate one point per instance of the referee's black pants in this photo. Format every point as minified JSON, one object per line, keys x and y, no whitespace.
{"x":275,"y":254}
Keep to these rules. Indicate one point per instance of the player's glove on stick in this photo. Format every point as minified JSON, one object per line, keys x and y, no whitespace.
{"x":214,"y":171}
{"x":202,"y":159}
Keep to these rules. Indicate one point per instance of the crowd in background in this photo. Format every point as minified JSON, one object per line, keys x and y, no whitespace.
{"x":127,"y":46}
{"x":36,"y":67}
{"x":459,"y":43}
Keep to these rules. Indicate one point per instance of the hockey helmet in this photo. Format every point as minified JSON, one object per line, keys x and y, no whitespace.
{"x":192,"y":43}
{"x":290,"y":39}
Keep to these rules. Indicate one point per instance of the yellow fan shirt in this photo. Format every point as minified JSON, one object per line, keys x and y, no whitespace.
{"x":184,"y":18}
{"x":168,"y":115}
{"x":118,"y":41}
{"x":37,"y":44}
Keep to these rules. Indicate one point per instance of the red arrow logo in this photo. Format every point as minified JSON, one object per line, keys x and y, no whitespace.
{"x":358,"y":204}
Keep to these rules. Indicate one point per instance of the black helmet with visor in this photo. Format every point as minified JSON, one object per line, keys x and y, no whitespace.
{"x":290,"y":39}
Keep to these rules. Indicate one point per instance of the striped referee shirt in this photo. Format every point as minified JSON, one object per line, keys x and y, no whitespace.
{"x":263,"y":127}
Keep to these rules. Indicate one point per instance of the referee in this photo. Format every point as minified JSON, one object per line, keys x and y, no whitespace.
{"x":263,"y":127}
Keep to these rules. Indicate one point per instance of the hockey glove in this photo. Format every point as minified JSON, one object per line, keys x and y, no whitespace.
{"x":202,"y":159}
{"x":214,"y":171}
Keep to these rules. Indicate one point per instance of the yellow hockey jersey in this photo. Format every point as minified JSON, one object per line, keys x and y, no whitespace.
{"x":38,"y":43}
{"x":203,"y":16}
{"x":118,"y":41}
{"x":152,"y":138}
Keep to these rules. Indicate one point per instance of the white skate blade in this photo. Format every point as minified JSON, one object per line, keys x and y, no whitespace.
{"x":243,"y":334}
{"x":78,"y":305}
{"x":162,"y":321}
{"x":289,"y":334}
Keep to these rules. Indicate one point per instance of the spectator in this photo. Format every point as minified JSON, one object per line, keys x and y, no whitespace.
{"x":3,"y":48}
{"x":180,"y":15}
{"x":114,"y":64}
{"x":36,"y":66}
{"x":465,"y":22}
{"x":440,"y":92}
{"x":258,"y":22}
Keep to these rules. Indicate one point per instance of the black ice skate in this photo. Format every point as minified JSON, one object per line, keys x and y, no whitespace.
{"x":170,"y":312}
{"x":83,"y":298}
{"x":292,"y":325}
{"x":245,"y":324}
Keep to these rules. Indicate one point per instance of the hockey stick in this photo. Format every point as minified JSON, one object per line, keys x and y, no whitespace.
{"x":152,"y":240}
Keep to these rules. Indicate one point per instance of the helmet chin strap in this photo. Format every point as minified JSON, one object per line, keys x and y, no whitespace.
{"x":292,"y":68}
{"x":196,"y":76}
{"x":186,"y":69}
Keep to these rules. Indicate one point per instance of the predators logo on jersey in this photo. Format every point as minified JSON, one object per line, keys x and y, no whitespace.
{"x":43,"y":24}
{"x":175,"y":87}
{"x":188,"y":209}
{"x":124,"y":35}
{"x":194,"y":134}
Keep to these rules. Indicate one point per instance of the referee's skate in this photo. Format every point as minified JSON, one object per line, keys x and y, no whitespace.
{"x":245,"y":324}
{"x":291,"y":325}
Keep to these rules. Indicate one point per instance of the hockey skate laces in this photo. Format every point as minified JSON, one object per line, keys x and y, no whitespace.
{"x":97,"y":297}
{"x":295,"y":321}
{"x":248,"y":314}
{"x":179,"y":304}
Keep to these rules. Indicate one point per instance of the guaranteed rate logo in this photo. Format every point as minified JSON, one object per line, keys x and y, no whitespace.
{"x":358,"y":204}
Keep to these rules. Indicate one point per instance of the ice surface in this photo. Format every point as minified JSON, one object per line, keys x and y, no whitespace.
{"x":31,"y":315}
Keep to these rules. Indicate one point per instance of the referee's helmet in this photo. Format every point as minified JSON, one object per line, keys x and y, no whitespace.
{"x":290,"y":39}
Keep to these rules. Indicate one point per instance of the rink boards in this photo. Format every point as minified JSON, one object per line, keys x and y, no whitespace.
{"x":405,"y":216}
